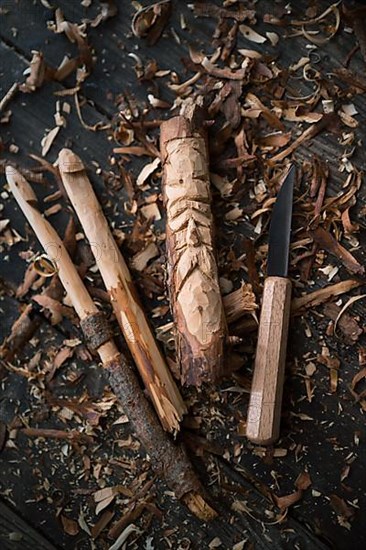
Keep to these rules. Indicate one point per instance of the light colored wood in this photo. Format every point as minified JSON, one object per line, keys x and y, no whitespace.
{"x":264,"y":413}
{"x":193,"y":276}
{"x":149,"y":360}
{"x":167,"y":459}
{"x":239,"y":302}
{"x":52,"y":244}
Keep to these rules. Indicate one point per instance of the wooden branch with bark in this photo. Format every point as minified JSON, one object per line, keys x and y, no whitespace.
{"x":193,"y":276}
{"x":154,"y":371}
{"x":167,"y":459}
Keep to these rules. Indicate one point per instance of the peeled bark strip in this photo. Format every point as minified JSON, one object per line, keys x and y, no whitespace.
{"x":193,"y":278}
{"x":154,"y":371}
{"x":167,"y":459}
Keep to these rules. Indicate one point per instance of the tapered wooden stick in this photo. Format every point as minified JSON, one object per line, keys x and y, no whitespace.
{"x":26,"y":325}
{"x":154,"y":371}
{"x":193,"y":278}
{"x":167,"y":459}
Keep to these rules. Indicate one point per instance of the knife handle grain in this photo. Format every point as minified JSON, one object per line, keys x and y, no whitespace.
{"x":264,"y":413}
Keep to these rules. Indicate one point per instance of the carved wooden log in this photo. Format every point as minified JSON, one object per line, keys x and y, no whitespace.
{"x":149,"y":360}
{"x":193,"y":278}
{"x":167,"y":459}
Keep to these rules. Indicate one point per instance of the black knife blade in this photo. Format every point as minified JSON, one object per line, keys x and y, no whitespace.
{"x":280,"y":229}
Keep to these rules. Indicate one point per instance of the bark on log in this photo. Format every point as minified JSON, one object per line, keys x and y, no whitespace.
{"x":193,"y":277}
{"x":126,"y":304}
{"x":167,"y":459}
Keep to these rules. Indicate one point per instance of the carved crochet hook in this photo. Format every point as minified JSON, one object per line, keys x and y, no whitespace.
{"x":264,"y":413}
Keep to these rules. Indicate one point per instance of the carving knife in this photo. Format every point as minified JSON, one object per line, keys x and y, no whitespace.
{"x":264,"y":413}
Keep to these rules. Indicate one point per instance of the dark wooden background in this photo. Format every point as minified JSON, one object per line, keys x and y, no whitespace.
{"x":322,"y":445}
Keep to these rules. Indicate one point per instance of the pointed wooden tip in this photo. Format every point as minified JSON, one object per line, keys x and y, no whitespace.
{"x":69,"y":162}
{"x":19,"y":185}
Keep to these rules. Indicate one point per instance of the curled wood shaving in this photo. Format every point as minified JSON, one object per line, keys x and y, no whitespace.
{"x":45,"y":266}
{"x":225,"y":72}
{"x":326,"y":241}
{"x":357,"y":378}
{"x":271,"y":118}
{"x":302,"y":483}
{"x":345,"y":307}
{"x":9,"y":95}
{"x":147,"y":171}
{"x":312,"y":35}
{"x":149,"y":21}
{"x":97,"y":126}
{"x":129,"y":530}
{"x":347,"y":324}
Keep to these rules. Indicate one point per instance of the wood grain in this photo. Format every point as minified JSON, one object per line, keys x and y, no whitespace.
{"x":193,"y":277}
{"x":169,"y":460}
{"x":16,"y":534}
{"x":131,"y":317}
{"x":264,"y":413}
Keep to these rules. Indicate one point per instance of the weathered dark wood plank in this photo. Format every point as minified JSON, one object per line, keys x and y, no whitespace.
{"x":16,"y":534}
{"x":338,"y":416}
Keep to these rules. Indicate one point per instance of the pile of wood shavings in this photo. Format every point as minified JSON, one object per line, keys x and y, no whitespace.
{"x":261,"y":115}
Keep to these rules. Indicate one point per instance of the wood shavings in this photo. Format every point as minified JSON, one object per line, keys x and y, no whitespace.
{"x":205,"y":9}
{"x":149,"y":22}
{"x":48,"y":140}
{"x":133,"y":150}
{"x":151,"y":212}
{"x":331,"y":245}
{"x":349,"y":302}
{"x":213,"y":70}
{"x":108,"y":9}
{"x":69,"y":525}
{"x":141,"y":259}
{"x":302,"y":483}
{"x":104,"y":497}
{"x":312,"y":35}
{"x":309,"y":133}
{"x":239,"y":302}
{"x":270,"y":117}
{"x":344,"y":512}
{"x":39,"y":73}
{"x":251,"y":35}
{"x":322,"y":295}
{"x":5,"y":100}
{"x":147,"y":171}
{"x":128,"y":531}
{"x":252,"y":54}
{"x":273,"y":38}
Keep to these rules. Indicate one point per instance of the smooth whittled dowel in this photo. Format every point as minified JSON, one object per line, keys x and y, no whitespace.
{"x":167,"y":459}
{"x":264,"y":413}
{"x":193,"y":277}
{"x":149,"y":360}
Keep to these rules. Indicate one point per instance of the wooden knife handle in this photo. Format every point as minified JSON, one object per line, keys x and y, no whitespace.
{"x":264,"y":413}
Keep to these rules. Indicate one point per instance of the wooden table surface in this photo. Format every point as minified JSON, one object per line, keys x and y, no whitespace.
{"x":321,"y":437}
